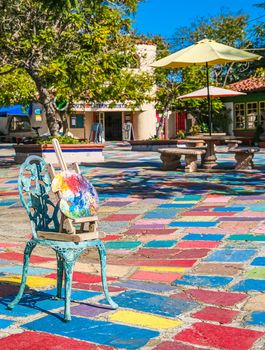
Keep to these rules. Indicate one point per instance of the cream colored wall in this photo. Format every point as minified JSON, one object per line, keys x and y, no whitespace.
{"x":144,"y":123}
{"x":171,"y":125}
{"x":82,"y":132}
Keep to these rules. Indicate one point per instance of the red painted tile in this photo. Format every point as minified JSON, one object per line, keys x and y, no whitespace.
{"x":175,"y":345}
{"x":20,"y":257}
{"x":5,"y":244}
{"x":197,"y":244}
{"x":211,"y":313}
{"x":83,"y":277}
{"x":154,"y":231}
{"x":193,"y":253}
{"x":121,"y":217}
{"x":95,"y":287}
{"x":155,"y":276}
{"x":110,"y":238}
{"x":213,"y":297}
{"x":158,"y":253}
{"x":8,"y":193}
{"x":221,"y":337}
{"x":44,"y":341}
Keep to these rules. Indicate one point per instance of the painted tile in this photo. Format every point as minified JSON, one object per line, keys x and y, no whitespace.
{"x":255,"y":273}
{"x":175,"y":205}
{"x":246,"y":237}
{"x":202,"y":237}
{"x":157,"y":262}
{"x":257,"y":319}
{"x":192,"y":224}
{"x":230,"y":255}
{"x":83,"y":277}
{"x":163,"y":214}
{"x":118,"y":336}
{"x":197,"y":218}
{"x":203,"y":281}
{"x":155,"y":276}
{"x":229,"y":209}
{"x":122,"y":245}
{"x":161,"y":269}
{"x":222,"y":337}
{"x":149,"y":232}
{"x":250,"y":285}
{"x":17,"y":269}
{"x":20,"y":257}
{"x":147,"y":287}
{"x":153,"y":303}
{"x":5,"y":323}
{"x":87,"y":310}
{"x":259,"y":261}
{"x":215,"y":314}
{"x":197,"y":244}
{"x":45,"y":341}
{"x":121,"y":217}
{"x":160,"y":244}
{"x":175,"y":345}
{"x":32,"y":281}
{"x":144,"y":320}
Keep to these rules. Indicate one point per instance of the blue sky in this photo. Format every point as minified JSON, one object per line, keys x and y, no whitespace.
{"x":164,"y":16}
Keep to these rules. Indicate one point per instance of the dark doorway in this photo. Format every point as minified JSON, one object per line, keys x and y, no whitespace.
{"x":113,"y":126}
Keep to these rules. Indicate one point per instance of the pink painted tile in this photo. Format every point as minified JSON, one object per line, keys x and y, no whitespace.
{"x":197,"y":244}
{"x":221,"y":337}
{"x":152,"y":221}
{"x":83,"y":277}
{"x":5,"y":244}
{"x":213,"y":297}
{"x":157,"y":262}
{"x":155,"y":231}
{"x":121,"y":217}
{"x":216,"y":314}
{"x":155,"y":276}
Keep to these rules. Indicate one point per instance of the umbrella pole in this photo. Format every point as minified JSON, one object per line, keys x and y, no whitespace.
{"x":209,"y":99}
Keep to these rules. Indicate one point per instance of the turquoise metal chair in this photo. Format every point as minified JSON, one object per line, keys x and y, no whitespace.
{"x":34,"y":186}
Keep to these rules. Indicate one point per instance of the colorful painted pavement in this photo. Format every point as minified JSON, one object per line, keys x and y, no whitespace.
{"x":186,"y":262}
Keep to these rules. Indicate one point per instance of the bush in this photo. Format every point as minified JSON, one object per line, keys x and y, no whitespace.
{"x":181,"y":134}
{"x":61,"y":139}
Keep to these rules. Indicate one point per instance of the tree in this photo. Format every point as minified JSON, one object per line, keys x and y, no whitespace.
{"x":71,"y":53}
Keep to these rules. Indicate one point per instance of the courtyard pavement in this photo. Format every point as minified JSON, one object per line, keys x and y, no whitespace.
{"x":185,"y":261}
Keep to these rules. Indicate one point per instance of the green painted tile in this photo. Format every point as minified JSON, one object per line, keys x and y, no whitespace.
{"x":255,"y":273}
{"x":260,"y":238}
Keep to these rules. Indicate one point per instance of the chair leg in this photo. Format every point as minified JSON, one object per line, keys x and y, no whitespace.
{"x":27,"y":252}
{"x":59,"y":276}
{"x":68,"y":265}
{"x":102,"y":254}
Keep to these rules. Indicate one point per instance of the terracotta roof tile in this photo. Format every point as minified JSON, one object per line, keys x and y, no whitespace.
{"x":250,"y":84}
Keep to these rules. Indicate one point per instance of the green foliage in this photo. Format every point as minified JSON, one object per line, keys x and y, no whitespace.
{"x":75,"y":50}
{"x":61,"y":139}
{"x":195,"y":129}
{"x":181,"y":134}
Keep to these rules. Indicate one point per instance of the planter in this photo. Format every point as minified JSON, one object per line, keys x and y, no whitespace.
{"x":80,"y":153}
{"x":152,"y":145}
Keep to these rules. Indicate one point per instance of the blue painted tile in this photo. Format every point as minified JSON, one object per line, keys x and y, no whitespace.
{"x":250,"y":285}
{"x":229,"y":209}
{"x":152,"y":303}
{"x":100,"y":332}
{"x":161,"y":214}
{"x":257,"y":207}
{"x":202,"y":237}
{"x":257,"y":318}
{"x":6,"y":203}
{"x":5,"y":323}
{"x":192,"y":224}
{"x":11,"y":182}
{"x":188,"y":198}
{"x":160,"y":244}
{"x":174,"y":205}
{"x":31,"y":304}
{"x":122,"y":245}
{"x":17,"y":270}
{"x":203,"y":281}
{"x":147,"y":287}
{"x":259,"y":261}
{"x":230,"y":255}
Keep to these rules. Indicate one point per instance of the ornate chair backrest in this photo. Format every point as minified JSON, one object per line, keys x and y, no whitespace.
{"x":34,"y":185}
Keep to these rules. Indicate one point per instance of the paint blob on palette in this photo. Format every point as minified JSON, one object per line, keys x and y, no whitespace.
{"x":79,"y":197}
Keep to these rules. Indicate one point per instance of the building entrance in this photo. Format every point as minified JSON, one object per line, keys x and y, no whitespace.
{"x":113,"y":126}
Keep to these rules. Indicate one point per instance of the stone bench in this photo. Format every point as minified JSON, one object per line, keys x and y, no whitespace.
{"x":244,"y":157}
{"x":171,"y":158}
{"x":231,"y":144}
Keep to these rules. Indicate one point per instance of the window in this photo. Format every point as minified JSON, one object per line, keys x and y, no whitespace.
{"x":19,"y":123}
{"x":240,"y":115}
{"x":77,"y":121}
{"x":252,"y":115}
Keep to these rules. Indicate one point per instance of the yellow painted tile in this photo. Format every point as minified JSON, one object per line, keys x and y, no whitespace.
{"x":144,"y":319}
{"x":32,"y":281}
{"x":162,"y":269}
{"x":196,"y":218}
{"x":108,"y":209}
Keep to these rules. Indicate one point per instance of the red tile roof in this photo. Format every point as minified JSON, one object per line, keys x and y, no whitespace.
{"x":249,"y":85}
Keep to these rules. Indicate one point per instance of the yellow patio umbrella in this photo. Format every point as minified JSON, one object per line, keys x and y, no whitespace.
{"x":208,"y":52}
